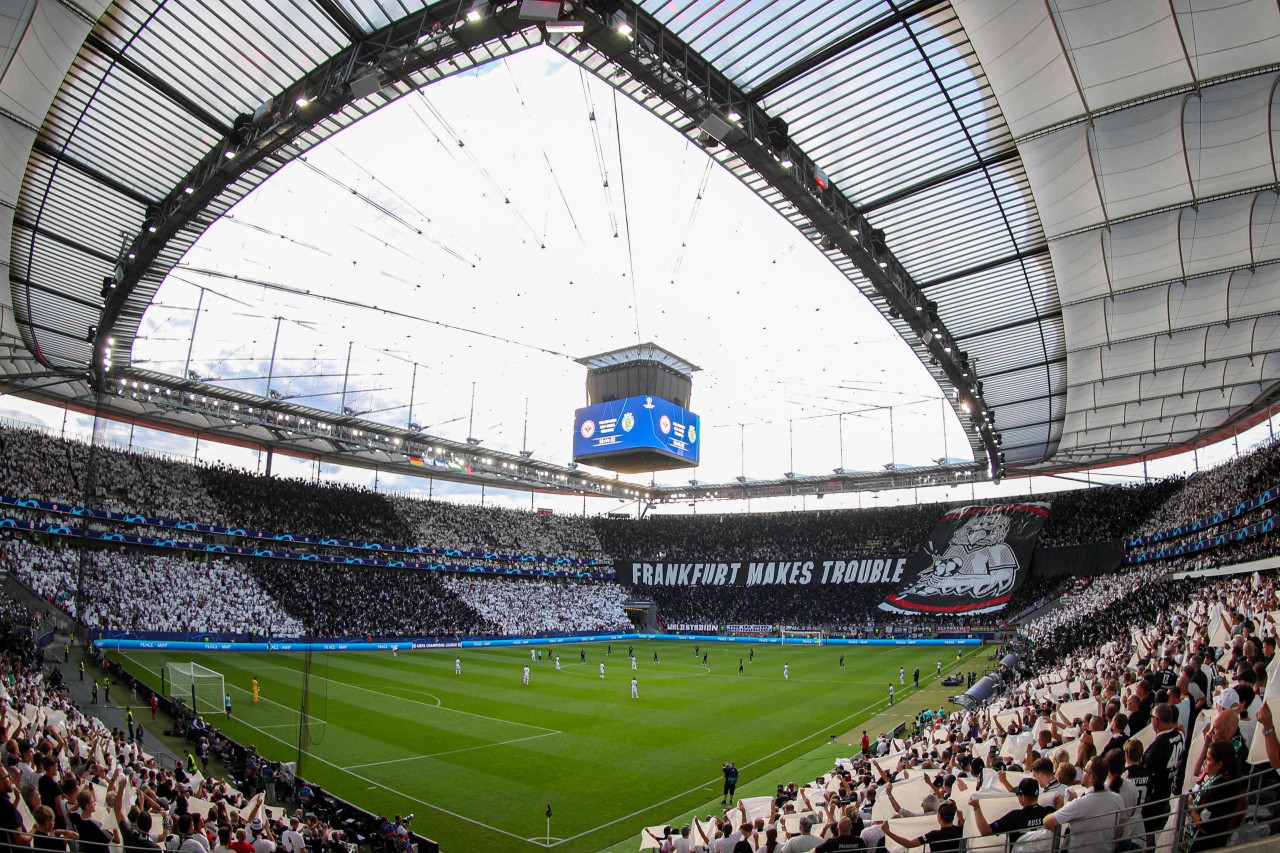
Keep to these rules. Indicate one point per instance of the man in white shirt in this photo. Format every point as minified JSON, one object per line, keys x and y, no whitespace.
{"x":1093,"y":819}
{"x":291,"y":840}
{"x":263,"y":841}
{"x":805,"y":841}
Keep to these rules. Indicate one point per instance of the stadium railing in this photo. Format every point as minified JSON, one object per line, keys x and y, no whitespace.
{"x":1260,"y":793}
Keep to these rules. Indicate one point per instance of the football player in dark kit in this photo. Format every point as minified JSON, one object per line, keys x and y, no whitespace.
{"x":730,"y":782}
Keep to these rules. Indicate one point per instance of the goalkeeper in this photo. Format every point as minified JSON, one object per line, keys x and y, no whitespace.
{"x":254,"y":685}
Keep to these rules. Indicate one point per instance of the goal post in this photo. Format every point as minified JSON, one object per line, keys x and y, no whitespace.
{"x":202,"y":688}
{"x":809,"y":638}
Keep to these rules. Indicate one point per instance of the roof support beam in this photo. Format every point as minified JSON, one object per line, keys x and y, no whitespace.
{"x":340,"y":17}
{"x":1014,"y":324}
{"x":992,"y":264}
{"x":804,"y":66}
{"x":1004,"y":156}
{"x":85,"y":169}
{"x":1047,"y":362}
{"x":171,"y":92}
{"x":69,"y":297}
{"x":109,"y":260}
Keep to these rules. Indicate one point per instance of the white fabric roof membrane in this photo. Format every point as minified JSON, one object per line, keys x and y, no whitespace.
{"x":1149,"y":134}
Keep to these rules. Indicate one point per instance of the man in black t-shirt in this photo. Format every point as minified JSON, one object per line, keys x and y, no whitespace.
{"x":945,"y":839}
{"x":1029,"y":814}
{"x":1244,"y":685}
{"x":1134,"y":771}
{"x":844,"y":841}
{"x":1161,"y":762}
{"x":12,"y":831}
{"x":136,"y":834}
{"x":1167,"y":676}
{"x":1116,"y":735}
{"x":51,"y":790}
{"x":93,"y":838}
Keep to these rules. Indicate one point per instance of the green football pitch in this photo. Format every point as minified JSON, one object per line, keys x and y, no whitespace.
{"x":479,"y":756}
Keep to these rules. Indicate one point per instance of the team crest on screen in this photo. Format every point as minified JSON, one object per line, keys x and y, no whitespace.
{"x":628,"y":421}
{"x":588,"y":429}
{"x":664,"y":424}
{"x":693,"y":433}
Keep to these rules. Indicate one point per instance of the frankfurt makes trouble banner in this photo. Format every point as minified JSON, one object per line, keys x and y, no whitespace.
{"x":814,"y":572}
{"x":972,"y":561}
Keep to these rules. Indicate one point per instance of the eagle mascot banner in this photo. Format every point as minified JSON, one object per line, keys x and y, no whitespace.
{"x":972,"y":562}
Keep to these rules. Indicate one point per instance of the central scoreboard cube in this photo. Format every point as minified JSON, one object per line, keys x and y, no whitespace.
{"x":636,"y":418}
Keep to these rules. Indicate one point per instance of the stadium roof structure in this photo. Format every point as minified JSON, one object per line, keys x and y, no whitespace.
{"x":649,"y":352}
{"x":1067,"y":208}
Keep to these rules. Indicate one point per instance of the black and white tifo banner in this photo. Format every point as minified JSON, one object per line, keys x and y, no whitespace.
{"x":815,"y":572}
{"x":972,"y":562}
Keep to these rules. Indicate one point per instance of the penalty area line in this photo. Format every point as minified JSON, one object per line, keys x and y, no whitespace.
{"x":449,"y":752}
{"x":882,"y":702}
{"x":370,"y":782}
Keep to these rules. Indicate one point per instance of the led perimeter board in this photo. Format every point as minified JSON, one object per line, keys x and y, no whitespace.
{"x":636,"y":434}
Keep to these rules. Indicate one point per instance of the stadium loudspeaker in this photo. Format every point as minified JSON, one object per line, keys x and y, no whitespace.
{"x":716,"y":127}
{"x":539,"y":10}
{"x":369,"y":84}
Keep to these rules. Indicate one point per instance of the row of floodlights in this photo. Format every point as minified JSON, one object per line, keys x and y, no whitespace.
{"x":550,"y":14}
{"x":135,"y":389}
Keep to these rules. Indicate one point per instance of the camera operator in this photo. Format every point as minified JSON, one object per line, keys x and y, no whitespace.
{"x":730,"y":782}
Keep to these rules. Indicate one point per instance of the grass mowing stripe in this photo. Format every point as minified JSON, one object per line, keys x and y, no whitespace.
{"x":371,"y":782}
{"x":615,"y":753}
{"x":449,"y":751}
{"x":437,"y":704}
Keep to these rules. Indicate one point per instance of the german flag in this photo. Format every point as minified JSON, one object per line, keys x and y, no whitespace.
{"x":417,"y":460}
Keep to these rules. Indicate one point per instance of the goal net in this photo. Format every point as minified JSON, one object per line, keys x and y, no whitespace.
{"x":201,"y":687}
{"x":810,"y":638}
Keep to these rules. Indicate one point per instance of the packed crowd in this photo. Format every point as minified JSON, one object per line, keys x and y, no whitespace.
{"x":1219,"y":488}
{"x":1070,"y":615}
{"x":359,"y":601}
{"x":1106,"y":513}
{"x":1150,"y":701}
{"x":34,"y":464}
{"x":130,"y":590}
{"x":144,"y":591}
{"x":509,"y":531}
{"x":1243,"y":551}
{"x":529,"y":607}
{"x":837,"y":534}
{"x":71,"y":783}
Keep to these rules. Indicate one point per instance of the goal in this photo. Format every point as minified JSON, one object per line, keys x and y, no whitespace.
{"x":808,"y":638}
{"x":201,"y":687}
